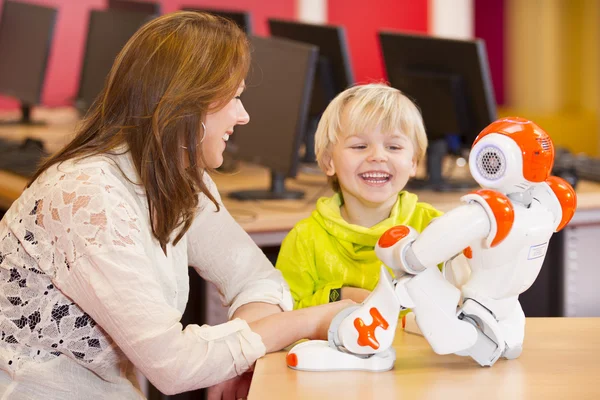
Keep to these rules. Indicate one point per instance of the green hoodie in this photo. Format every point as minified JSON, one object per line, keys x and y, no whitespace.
{"x":324,"y":252}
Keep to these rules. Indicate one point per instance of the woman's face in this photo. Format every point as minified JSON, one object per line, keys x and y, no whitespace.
{"x":219,"y":126}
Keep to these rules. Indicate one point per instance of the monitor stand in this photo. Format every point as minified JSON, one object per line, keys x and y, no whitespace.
{"x":25,"y":118}
{"x":310,"y":157}
{"x":436,"y":152}
{"x":277,"y":191}
{"x":326,"y":89}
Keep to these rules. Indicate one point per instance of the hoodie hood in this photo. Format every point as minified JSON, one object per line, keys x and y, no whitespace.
{"x":355,"y":238}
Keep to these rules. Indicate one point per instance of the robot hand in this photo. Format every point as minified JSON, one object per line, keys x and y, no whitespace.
{"x":394,"y":250}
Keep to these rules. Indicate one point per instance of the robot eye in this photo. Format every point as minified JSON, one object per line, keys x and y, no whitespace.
{"x":491,"y":163}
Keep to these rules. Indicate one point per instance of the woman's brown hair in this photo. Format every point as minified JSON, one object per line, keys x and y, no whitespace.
{"x":170,"y":74}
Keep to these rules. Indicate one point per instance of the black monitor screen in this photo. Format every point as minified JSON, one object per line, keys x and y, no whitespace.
{"x":241,"y":18}
{"x":133,"y":5}
{"x":277,"y":95}
{"x":334,"y":73}
{"x":450,"y":82}
{"x":108,"y":32}
{"x":433,"y":71}
{"x":25,"y":37}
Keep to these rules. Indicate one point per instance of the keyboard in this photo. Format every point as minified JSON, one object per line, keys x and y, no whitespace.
{"x":570,"y":166}
{"x":588,"y":168}
{"x":21,"y":158}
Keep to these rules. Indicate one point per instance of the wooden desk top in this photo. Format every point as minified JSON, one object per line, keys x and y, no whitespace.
{"x":267,"y":221}
{"x":560,"y":360}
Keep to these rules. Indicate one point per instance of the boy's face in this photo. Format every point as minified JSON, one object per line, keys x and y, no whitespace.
{"x":372,"y":166}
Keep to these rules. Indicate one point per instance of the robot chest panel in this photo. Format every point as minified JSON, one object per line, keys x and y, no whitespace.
{"x":528,"y":239}
{"x":532,"y":225}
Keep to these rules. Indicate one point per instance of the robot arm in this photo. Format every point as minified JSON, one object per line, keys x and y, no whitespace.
{"x":487,"y":216}
{"x":448,"y":235}
{"x":559,"y":197}
{"x":405,"y":251}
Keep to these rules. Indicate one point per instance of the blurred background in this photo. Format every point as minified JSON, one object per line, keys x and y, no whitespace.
{"x":465,"y":62}
{"x":543,"y":54}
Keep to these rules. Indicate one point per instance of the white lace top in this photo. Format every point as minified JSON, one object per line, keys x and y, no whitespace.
{"x":86,"y":291}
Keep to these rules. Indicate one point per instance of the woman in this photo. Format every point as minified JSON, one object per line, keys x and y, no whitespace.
{"x":94,"y":255}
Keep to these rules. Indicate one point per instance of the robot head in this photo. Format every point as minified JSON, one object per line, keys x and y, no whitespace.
{"x":510,"y":155}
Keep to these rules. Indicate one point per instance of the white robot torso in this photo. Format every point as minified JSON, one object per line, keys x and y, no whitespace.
{"x":499,"y":274}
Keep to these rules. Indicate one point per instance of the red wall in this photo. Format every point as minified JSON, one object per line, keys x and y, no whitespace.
{"x":489,"y":26}
{"x":364,"y":18}
{"x":62,"y":76}
{"x":260,"y":9}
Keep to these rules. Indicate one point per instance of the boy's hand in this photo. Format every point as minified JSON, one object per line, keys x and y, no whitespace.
{"x":357,"y":295}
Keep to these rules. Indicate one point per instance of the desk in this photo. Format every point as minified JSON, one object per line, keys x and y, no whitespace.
{"x":60,"y":127}
{"x":560,"y":360}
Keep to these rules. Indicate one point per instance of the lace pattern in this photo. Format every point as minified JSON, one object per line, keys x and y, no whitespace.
{"x":82,"y":230}
{"x":68,"y":218}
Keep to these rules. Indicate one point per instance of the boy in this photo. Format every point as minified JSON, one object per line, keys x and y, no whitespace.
{"x":368,"y":142}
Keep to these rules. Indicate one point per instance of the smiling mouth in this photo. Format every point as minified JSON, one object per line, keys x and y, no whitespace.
{"x":375,"y":178}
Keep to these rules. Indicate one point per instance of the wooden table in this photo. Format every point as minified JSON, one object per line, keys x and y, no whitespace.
{"x":560,"y":360}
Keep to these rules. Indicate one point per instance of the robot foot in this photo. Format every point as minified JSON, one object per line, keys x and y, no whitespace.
{"x":495,"y":338}
{"x":490,"y":344}
{"x":513,"y":329}
{"x":510,"y":353}
{"x":317,"y":355}
{"x":485,"y":351}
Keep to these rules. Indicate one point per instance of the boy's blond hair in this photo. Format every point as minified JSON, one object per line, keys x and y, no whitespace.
{"x":362,"y":108}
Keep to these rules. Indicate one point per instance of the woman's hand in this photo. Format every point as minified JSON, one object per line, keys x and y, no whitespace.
{"x":232,"y":389}
{"x":356,"y":294}
{"x":325,"y":314}
{"x":281,"y":329}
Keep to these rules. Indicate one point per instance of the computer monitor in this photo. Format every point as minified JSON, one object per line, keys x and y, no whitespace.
{"x":108,"y":31}
{"x":277,"y":96}
{"x":135,"y":5}
{"x":241,"y":18}
{"x":334,"y":73}
{"x":450,"y":82}
{"x":26,"y":32}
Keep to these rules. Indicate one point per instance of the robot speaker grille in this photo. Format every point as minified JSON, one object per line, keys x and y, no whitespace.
{"x":491,"y":163}
{"x":545,"y":143}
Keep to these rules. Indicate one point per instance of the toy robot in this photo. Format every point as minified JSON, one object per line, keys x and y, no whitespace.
{"x":492,"y":247}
